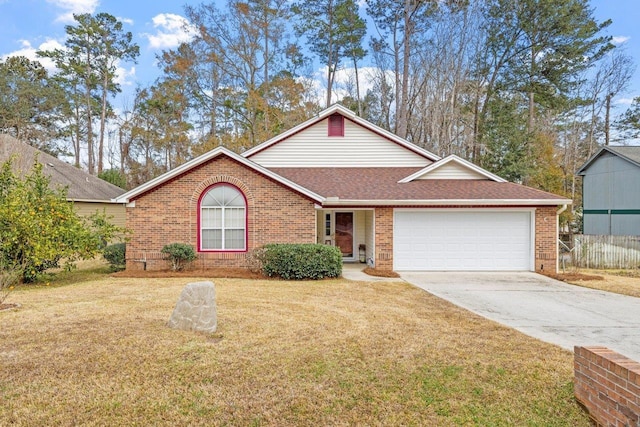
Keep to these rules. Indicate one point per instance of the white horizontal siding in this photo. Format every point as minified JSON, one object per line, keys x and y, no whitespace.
{"x":358,"y":148}
{"x":452,"y":171}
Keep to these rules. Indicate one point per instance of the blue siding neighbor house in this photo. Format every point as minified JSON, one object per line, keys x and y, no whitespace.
{"x":611,"y":191}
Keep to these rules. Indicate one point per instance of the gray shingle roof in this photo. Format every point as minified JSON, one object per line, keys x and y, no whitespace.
{"x":81,"y":185}
{"x":630,"y":152}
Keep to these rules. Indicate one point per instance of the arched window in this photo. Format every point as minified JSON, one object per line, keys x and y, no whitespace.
{"x":223,"y":219}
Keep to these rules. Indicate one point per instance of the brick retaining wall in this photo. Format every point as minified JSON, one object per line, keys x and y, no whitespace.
{"x":608,"y":385}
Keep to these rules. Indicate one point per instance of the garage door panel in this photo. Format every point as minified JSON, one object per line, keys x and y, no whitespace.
{"x":469,"y":240}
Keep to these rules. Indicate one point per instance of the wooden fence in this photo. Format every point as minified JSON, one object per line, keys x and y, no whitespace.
{"x":591,"y":251}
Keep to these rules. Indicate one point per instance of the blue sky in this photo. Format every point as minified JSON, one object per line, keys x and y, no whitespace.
{"x":28,"y":25}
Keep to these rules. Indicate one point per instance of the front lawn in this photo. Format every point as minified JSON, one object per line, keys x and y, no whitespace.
{"x":624,"y":282}
{"x":332,"y":352}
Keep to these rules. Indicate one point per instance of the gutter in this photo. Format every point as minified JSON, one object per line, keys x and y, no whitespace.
{"x":109,"y":201}
{"x":335,"y":201}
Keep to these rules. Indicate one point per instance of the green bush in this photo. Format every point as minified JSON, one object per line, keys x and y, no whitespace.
{"x":116,"y":256}
{"x":179,"y":255}
{"x":300,"y":261}
{"x":40,"y":229}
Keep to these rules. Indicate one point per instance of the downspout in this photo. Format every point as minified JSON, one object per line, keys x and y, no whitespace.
{"x":562,"y":209}
{"x":558,"y":212}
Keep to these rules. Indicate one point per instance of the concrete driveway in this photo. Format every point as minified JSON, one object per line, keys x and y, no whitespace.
{"x":543,"y":308}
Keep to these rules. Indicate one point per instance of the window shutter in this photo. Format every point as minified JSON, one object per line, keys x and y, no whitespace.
{"x":336,"y":125}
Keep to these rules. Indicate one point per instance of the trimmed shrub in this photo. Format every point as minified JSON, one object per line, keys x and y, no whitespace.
{"x":116,"y":256}
{"x":300,"y":261}
{"x":179,"y":255}
{"x":255,"y":260}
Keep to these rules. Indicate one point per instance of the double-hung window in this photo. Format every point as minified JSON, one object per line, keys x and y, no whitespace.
{"x":223,"y":219}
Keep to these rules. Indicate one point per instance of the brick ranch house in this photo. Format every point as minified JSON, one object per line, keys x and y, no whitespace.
{"x":337,"y":179}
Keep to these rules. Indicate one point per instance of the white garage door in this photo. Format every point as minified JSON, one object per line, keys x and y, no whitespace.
{"x":462,"y":240}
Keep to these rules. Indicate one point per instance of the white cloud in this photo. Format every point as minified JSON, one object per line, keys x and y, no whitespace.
{"x":73,"y":6}
{"x":127,"y":21}
{"x":29,"y":51}
{"x":125,"y":77}
{"x":618,"y":40}
{"x":172,"y":30}
{"x":624,"y":101}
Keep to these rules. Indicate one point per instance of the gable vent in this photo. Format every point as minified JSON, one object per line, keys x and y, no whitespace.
{"x":336,"y":125}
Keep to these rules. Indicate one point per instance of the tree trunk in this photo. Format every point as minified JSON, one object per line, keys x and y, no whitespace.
{"x":401,"y":109}
{"x":532,"y":112}
{"x":358,"y":101}
{"x":607,"y":118}
{"x":266,"y":70}
{"x":87,"y":82}
{"x":90,"y":154}
{"x":103,"y":120}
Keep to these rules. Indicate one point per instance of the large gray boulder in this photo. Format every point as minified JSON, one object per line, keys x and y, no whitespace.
{"x":196,"y":308}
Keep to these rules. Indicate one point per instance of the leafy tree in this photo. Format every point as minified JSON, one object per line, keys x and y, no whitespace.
{"x":114,"y":46}
{"x":536,"y":49}
{"x":612,"y":77}
{"x":506,"y":153}
{"x":232,"y":60}
{"x":88,"y":69}
{"x":334,"y":31}
{"x":39,"y":227}
{"x":401,"y":26}
{"x":140,"y":136}
{"x":629,"y":123}
{"x":546,"y":171}
{"x":115,"y":177}
{"x":31,"y":103}
{"x":353,"y":48}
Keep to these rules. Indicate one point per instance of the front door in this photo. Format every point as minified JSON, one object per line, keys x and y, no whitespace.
{"x":344,"y":233}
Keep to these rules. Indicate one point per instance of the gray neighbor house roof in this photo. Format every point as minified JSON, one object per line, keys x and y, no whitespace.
{"x":82,"y":187}
{"x":630,"y":153}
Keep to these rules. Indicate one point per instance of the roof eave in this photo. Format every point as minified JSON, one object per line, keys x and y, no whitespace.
{"x":150,"y":185}
{"x":453,"y":159}
{"x":330,"y":201}
{"x":588,"y":163}
{"x":109,"y":201}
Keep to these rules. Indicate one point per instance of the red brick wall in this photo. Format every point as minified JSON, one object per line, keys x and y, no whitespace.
{"x":384,"y":238}
{"x":168,"y":214}
{"x":546,"y":245}
{"x":608,"y":385}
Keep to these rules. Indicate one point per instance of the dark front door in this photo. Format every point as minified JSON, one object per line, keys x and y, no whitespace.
{"x":344,"y":233}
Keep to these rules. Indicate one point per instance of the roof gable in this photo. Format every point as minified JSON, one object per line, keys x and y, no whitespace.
{"x":80,"y":185}
{"x":629,"y":153}
{"x":452,"y":167}
{"x":312,"y":144}
{"x":220,"y":151}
